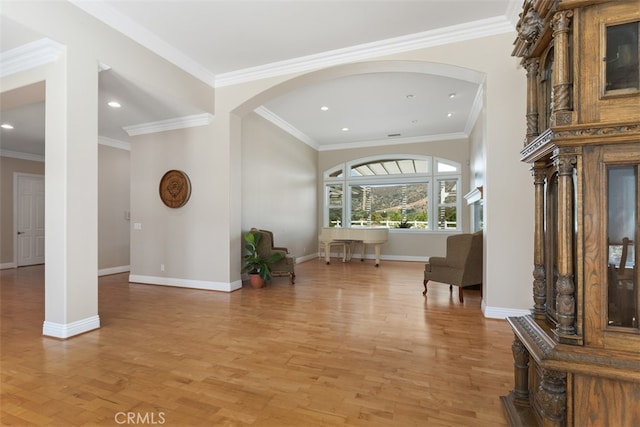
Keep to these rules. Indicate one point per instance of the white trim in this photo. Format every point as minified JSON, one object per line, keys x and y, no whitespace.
{"x":113,"y":270}
{"x":453,"y":34}
{"x":114,"y":143}
{"x":270,"y":116}
{"x":276,"y":120}
{"x":125,"y":25}
{"x":502,"y":312}
{"x":8,"y":265}
{"x":394,"y":141}
{"x":66,"y":330}
{"x":169,"y":124}
{"x":306,"y":258}
{"x":473,"y":196}
{"x":28,"y":56}
{"x":22,"y":156}
{"x":186,"y":283}
{"x":476,"y":109}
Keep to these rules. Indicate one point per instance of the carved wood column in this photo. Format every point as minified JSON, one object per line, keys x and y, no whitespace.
{"x":539,"y":273}
{"x":532,"y":65}
{"x":565,"y":162}
{"x":552,"y":397}
{"x":520,"y":372}
{"x":562,"y":74}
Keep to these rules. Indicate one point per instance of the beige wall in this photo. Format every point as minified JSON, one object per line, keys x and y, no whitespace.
{"x":113,"y":205}
{"x":279,"y":186}
{"x":8,"y":166}
{"x":202,"y":241}
{"x":191,"y":242}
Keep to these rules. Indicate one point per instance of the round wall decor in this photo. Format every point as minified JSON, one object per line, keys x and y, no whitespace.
{"x":175,"y":188}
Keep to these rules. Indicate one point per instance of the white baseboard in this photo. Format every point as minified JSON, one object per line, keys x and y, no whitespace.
{"x":66,"y":330}
{"x":7,"y":265}
{"x":113,"y":270}
{"x":306,"y":258}
{"x":186,"y":283}
{"x":502,"y":312}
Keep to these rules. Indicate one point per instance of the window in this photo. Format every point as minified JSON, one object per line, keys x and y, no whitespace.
{"x":622,"y":69}
{"x":417,"y":192}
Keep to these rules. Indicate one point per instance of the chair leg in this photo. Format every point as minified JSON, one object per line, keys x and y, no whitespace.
{"x":460,"y":294}
{"x":293,"y":278}
{"x":424,"y":282}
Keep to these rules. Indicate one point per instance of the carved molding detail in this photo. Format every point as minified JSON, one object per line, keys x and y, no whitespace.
{"x":539,"y":291}
{"x":520,"y":354}
{"x":597,"y":131}
{"x":521,"y":372}
{"x":541,"y":141}
{"x":530,"y":26}
{"x":562,"y":118}
{"x":545,"y":347}
{"x":565,"y":164}
{"x":561,"y":22}
{"x":552,"y":396}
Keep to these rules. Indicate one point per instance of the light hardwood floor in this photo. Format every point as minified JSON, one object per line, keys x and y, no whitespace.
{"x":348,"y":344}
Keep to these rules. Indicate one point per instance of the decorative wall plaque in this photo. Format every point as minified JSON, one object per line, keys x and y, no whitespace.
{"x":175,"y":188}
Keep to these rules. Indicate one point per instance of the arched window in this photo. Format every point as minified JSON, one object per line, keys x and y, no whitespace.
{"x":395,"y":191}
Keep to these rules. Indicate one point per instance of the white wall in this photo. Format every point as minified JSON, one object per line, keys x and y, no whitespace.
{"x":279,"y":186}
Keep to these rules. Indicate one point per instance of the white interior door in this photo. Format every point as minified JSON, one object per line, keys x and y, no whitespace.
{"x":29,"y":219}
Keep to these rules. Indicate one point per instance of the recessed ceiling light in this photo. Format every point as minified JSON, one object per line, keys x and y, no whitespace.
{"x":345,"y":129}
{"x":452,"y":95}
{"x":114,"y":104}
{"x":324,"y":108}
{"x":450,"y":114}
{"x":6,"y":126}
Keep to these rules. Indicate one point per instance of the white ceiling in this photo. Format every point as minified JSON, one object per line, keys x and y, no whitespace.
{"x":223,"y":42}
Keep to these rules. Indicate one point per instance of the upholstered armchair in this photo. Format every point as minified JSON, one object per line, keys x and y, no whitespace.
{"x":462,"y":266}
{"x":284,"y":267}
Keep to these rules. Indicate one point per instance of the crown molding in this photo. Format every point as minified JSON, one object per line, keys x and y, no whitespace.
{"x":453,"y":34}
{"x":114,"y":143}
{"x":270,"y":116}
{"x":28,"y":56}
{"x":169,"y":124}
{"x":22,"y":156}
{"x":394,"y":141}
{"x":125,"y":25}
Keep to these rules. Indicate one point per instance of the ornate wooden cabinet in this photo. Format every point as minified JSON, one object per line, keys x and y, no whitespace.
{"x":577,"y":355}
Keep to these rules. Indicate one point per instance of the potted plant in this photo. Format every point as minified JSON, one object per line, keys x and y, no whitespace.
{"x":254,"y":264}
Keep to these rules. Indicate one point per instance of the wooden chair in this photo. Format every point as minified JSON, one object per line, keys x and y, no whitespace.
{"x":462,"y":266}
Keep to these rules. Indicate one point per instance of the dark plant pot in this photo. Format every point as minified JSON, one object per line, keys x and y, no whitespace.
{"x":256,"y":281}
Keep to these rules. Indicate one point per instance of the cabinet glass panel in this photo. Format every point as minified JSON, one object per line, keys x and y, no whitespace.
{"x":622,"y":71}
{"x":622,"y":226}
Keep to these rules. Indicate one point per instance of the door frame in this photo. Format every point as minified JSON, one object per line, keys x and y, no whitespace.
{"x":15,"y":211}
